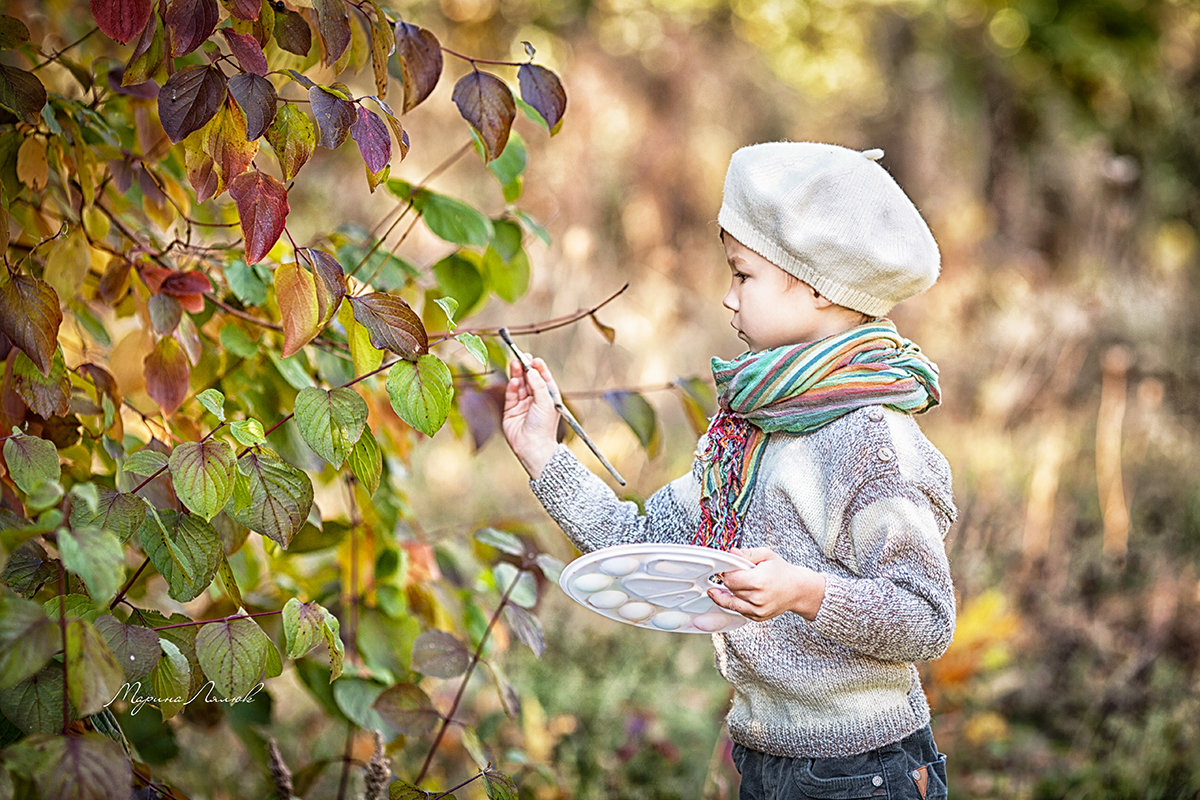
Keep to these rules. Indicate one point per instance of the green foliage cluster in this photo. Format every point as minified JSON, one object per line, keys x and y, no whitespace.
{"x":200,"y":480}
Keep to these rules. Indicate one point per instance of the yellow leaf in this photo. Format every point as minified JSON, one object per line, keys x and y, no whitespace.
{"x":299,"y":309}
{"x":33,"y":169}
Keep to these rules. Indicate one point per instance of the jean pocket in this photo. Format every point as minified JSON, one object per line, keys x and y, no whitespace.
{"x":836,"y":787}
{"x":930,"y":780}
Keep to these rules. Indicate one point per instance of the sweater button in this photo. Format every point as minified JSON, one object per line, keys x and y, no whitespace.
{"x":875,"y":415}
{"x":885,"y":454}
{"x":877,"y":780}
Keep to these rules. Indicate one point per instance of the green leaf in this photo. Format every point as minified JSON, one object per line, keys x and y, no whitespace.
{"x":698,"y":400}
{"x":354,"y":698}
{"x":214,"y":401}
{"x":293,"y":137}
{"x":407,"y":708}
{"x":331,"y":422}
{"x":294,"y":369}
{"x":248,"y":432}
{"x":171,"y":679}
{"x":503,"y":541}
{"x":475,"y":347}
{"x":184,"y":549}
{"x":229,"y":580}
{"x":448,"y":218}
{"x":498,"y":785}
{"x":524,"y":593}
{"x":366,"y":460}
{"x":145,"y":462}
{"x":97,"y":557}
{"x":639,"y":415}
{"x":46,"y":395}
{"x":526,"y":627}
{"x":421,"y":392}
{"x":28,"y":638}
{"x":449,"y":307}
{"x":32,"y":461}
{"x":136,"y":649}
{"x":234,"y":654}
{"x":115,"y":511}
{"x":246,"y":282}
{"x":459,"y":276}
{"x":509,"y":167}
{"x":440,"y":655}
{"x":202,"y":474}
{"x":35,"y":704}
{"x":93,"y":675}
{"x":305,"y":625}
{"x":87,"y":767}
{"x":273,"y":497}
{"x":235,"y":339}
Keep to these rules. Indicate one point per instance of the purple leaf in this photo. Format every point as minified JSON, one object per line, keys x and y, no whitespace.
{"x":542,"y":89}
{"x":334,"y":116}
{"x":420,"y":56}
{"x":486,"y":102}
{"x":247,"y":51}
{"x":371,"y":134}
{"x":257,"y":98}
{"x":189,"y":99}
{"x":121,"y":20}
{"x":190,"y":23}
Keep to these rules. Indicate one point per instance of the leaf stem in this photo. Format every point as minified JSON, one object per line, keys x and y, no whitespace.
{"x":462,"y":687}
{"x":58,"y":53}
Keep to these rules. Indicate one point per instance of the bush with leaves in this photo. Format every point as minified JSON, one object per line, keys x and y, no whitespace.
{"x":183,"y":382}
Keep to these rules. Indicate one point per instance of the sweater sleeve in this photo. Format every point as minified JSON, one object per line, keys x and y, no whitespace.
{"x":898,"y":603}
{"x":592,"y":516}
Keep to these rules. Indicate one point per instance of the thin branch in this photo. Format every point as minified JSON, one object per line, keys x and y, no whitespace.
{"x":533,"y":327}
{"x":473,"y":61}
{"x":467,"y":782}
{"x":128,"y":585}
{"x":55,"y":56}
{"x":62,"y":626}
{"x":462,"y":687}
{"x":230,"y":618}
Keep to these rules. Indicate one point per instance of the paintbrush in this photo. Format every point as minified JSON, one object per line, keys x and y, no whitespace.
{"x":563,"y":411}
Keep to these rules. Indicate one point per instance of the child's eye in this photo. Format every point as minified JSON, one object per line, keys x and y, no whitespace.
{"x":740,"y":277}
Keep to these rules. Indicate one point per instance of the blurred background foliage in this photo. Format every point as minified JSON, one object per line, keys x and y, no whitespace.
{"x":1054,"y":148}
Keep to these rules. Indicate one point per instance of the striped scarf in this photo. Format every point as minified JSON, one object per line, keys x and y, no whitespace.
{"x":799,"y":389}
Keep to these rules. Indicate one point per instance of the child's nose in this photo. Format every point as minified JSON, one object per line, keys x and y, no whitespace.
{"x":730,"y":300}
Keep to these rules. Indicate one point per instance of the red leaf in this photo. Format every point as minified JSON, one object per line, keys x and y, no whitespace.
{"x":334,"y":116}
{"x":190,"y":23}
{"x":30,"y":316}
{"x":247,"y":51}
{"x":262,"y":205}
{"x":166,"y":371}
{"x":333,"y":23}
{"x":371,"y":135}
{"x":486,"y":102}
{"x":420,"y":56}
{"x":542,"y":89}
{"x":292,"y":32}
{"x":257,"y":98}
{"x":121,"y":20}
{"x":245,"y":9}
{"x":391,"y":323}
{"x":189,"y":99}
{"x":178,"y":284}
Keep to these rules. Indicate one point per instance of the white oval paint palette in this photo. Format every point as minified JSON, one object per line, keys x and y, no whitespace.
{"x":663,"y":587}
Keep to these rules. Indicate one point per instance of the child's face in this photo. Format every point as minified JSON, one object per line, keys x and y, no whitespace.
{"x":770,"y":308}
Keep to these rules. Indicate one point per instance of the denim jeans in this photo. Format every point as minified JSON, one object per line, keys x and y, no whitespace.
{"x":909,"y":769}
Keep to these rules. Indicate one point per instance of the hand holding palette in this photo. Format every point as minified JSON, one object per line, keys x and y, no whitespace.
{"x":658,"y":586}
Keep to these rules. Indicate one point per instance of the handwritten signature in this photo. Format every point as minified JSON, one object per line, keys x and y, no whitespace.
{"x":132,"y":694}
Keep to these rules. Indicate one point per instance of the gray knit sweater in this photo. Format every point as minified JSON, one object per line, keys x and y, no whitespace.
{"x":867,"y":501}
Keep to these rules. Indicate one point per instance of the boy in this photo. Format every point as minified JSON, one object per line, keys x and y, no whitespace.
{"x":814,"y":470}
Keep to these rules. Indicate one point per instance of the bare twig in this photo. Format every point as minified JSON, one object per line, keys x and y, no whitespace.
{"x":563,"y":411}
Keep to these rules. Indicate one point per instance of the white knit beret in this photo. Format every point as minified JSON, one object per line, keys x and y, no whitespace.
{"x":832,"y":217}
